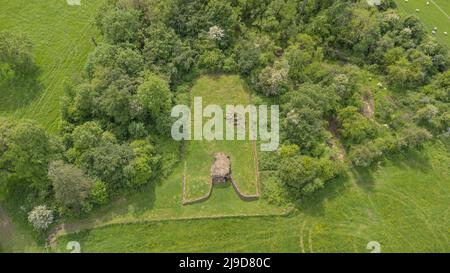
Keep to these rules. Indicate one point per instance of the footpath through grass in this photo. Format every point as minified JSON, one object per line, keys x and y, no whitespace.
{"x":221,"y":91}
{"x":403,"y":205}
{"x":62,"y":37}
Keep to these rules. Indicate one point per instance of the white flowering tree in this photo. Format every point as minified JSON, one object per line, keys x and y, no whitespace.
{"x":273,"y":80}
{"x":41,"y":217}
{"x":216,"y":33}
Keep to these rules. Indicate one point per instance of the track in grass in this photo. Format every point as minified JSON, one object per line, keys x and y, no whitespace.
{"x":403,"y":206}
{"x":61,"y":35}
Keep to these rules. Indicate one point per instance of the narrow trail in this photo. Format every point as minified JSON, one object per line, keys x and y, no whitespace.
{"x":5,"y":224}
{"x":437,"y":6}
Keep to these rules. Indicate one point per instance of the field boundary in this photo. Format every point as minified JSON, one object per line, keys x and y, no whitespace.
{"x":61,"y":229}
{"x":242,"y":196}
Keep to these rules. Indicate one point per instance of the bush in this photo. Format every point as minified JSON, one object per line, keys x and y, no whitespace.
{"x":99,"y":193}
{"x":274,"y":191}
{"x":137,"y":130}
{"x":16,"y":51}
{"x":40,"y":217}
{"x":70,"y":184}
{"x":154,"y":94}
{"x":120,"y":25}
{"x":211,"y":60}
{"x":273,"y":80}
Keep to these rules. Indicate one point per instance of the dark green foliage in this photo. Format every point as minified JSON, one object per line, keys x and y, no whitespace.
{"x":16,"y":53}
{"x":317,"y":59}
{"x":167,"y":52}
{"x":70,"y":184}
{"x":26,"y":150}
{"x":154,"y":95}
{"x":355,"y":128}
{"x":120,"y":25}
{"x":304,"y":175}
{"x":109,"y":163}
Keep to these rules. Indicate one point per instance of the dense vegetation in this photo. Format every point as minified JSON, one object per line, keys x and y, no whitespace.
{"x":354,"y":82}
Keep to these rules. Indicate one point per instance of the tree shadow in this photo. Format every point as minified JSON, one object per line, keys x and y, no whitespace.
{"x":18,"y":91}
{"x":412,"y":158}
{"x":138,"y":203}
{"x":314,"y":204}
{"x":364,"y":177}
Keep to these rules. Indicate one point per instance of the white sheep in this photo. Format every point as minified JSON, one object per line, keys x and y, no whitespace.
{"x":445,"y":33}
{"x":434,"y":32}
{"x":428,"y":3}
{"x":417,"y":10}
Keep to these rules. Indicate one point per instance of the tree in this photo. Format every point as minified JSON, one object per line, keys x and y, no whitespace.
{"x":16,"y":51}
{"x":301,"y":55}
{"x":120,"y":25}
{"x":297,"y":172}
{"x":25,"y":152}
{"x":415,"y":27}
{"x":143,"y":167}
{"x":273,"y":80}
{"x":129,"y":60}
{"x":70,"y":184}
{"x":99,"y":192}
{"x":254,"y":52}
{"x":116,"y":62}
{"x":87,"y":136}
{"x":154,"y":94}
{"x":364,"y":155}
{"x":164,"y":49}
{"x":216,"y":33}
{"x":355,"y":128}
{"x":40,"y":217}
{"x":189,"y":18}
{"x":108,"y":163}
{"x":115,"y":103}
{"x":304,"y":127}
{"x":211,"y":60}
{"x":161,"y":44}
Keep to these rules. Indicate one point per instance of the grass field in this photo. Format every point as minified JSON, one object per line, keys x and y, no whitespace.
{"x":61,"y":35}
{"x":436,"y":14}
{"x":164,"y":201}
{"x":403,"y":205}
{"x":14,"y":237}
{"x":222,"y":91}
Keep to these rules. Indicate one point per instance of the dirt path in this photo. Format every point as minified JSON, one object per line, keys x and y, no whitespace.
{"x":6,"y":229}
{"x":368,"y":109}
{"x":335,"y":140}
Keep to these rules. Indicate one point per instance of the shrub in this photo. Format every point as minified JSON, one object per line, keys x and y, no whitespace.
{"x":16,"y":52}
{"x":40,"y":217}
{"x":70,"y":184}
{"x":273,"y":80}
{"x":99,"y":192}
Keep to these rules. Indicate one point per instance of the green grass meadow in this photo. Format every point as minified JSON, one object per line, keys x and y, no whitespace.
{"x":222,"y":91}
{"x":61,"y":35}
{"x":403,"y":205}
{"x":436,"y":14}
